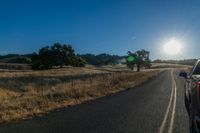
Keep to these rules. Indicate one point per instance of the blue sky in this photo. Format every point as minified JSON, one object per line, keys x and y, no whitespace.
{"x":100,"y":26}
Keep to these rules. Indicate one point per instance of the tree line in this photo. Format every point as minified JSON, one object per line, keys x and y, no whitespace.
{"x":59,"y":55}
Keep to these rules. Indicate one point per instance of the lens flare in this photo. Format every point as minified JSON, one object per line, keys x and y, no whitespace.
{"x":172,"y":47}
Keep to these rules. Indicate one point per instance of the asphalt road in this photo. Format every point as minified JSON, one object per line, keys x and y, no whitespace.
{"x":154,"y":107}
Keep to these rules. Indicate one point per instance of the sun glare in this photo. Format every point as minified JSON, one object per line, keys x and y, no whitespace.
{"x":172,"y":47}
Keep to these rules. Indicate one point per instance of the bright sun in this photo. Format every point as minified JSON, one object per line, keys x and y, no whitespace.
{"x":172,"y":47}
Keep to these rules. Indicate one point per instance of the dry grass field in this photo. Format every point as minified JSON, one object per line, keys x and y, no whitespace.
{"x":168,"y":65}
{"x":29,"y":93}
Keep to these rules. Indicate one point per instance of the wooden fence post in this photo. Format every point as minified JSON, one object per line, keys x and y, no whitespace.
{"x":72,"y":82}
{"x":43,"y":87}
{"x":90,"y":81}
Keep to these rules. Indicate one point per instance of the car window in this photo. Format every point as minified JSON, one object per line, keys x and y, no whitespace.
{"x":196,"y":70}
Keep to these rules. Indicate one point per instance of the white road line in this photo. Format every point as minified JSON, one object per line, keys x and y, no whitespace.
{"x":174,"y":108}
{"x":161,"y":129}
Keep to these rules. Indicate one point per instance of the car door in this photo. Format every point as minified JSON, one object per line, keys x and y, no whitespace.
{"x":189,"y":84}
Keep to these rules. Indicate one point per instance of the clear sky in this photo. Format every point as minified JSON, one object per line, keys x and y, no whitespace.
{"x":100,"y":26}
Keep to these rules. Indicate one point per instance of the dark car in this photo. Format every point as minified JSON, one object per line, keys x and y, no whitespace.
{"x":192,"y":96}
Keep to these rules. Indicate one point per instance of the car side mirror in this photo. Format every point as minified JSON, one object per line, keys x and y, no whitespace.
{"x":183,"y":74}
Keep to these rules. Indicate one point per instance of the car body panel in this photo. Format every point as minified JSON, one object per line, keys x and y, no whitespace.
{"x":192,"y":97}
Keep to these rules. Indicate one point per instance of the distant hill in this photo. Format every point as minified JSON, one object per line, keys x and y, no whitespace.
{"x":97,"y":60}
{"x":16,"y":58}
{"x":182,"y":62}
{"x":102,"y":59}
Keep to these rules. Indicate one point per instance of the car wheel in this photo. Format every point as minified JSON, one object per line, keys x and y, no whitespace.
{"x":191,"y":122}
{"x":192,"y":129}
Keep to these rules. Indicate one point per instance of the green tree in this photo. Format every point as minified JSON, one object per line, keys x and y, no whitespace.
{"x":79,"y":62}
{"x":139,"y":58}
{"x":45,"y":57}
{"x":56,"y":55}
{"x":68,"y":55}
{"x":131,"y":60}
{"x":36,"y":63}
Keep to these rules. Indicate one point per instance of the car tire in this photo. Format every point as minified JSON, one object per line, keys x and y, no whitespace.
{"x":191,"y":123}
{"x":192,"y":129}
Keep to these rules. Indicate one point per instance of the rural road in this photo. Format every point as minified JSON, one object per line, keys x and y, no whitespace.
{"x":154,"y":107}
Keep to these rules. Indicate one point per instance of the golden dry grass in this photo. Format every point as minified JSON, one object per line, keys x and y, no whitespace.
{"x":24,"y":95}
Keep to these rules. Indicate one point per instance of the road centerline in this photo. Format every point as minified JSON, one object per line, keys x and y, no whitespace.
{"x":172,"y":98}
{"x":174,"y":106}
